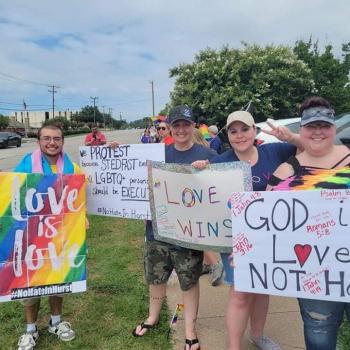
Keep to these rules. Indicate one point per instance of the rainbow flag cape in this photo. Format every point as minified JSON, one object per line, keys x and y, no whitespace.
{"x":318,"y":179}
{"x":42,"y":235}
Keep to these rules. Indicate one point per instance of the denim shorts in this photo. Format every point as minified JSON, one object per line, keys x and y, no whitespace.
{"x":228,"y":268}
{"x":322,"y":320}
{"x":161,"y":258}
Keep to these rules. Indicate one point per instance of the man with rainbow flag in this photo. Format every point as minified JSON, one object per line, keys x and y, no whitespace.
{"x":48,"y":158}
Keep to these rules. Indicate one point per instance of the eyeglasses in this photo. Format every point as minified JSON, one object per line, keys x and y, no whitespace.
{"x":48,"y":139}
{"x":322,"y":111}
{"x":161,"y":128}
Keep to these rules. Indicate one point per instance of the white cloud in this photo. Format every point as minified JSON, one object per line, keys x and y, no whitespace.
{"x":112,"y":49}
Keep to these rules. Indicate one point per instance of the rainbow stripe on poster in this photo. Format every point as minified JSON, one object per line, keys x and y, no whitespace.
{"x":42,"y":235}
{"x":317,"y":179}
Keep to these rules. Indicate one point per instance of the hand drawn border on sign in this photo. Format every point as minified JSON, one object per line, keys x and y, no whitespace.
{"x":188,"y":169}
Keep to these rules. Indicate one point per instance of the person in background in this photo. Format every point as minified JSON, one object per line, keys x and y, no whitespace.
{"x":153,"y":134}
{"x":264,"y":160}
{"x":203,"y":128}
{"x":48,"y":158}
{"x":214,"y":142}
{"x":164,"y":134}
{"x":161,"y":258}
{"x":95,"y":137}
{"x":321,"y":318}
{"x":146,"y":137}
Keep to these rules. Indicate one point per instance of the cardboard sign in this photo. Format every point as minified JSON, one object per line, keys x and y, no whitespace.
{"x":190,"y":208}
{"x":292,"y":243}
{"x":42,"y":235}
{"x":117,"y":179}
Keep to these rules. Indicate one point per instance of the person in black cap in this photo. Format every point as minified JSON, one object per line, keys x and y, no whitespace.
{"x":161,"y":258}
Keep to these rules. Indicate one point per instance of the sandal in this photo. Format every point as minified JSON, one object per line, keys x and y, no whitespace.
{"x":191,"y":342}
{"x":143,"y":325}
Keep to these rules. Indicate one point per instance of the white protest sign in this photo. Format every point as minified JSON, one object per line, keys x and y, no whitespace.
{"x":293,"y":243}
{"x":190,"y":208}
{"x":117,"y":182}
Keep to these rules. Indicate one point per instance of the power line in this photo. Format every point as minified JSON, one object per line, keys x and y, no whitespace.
{"x":8,"y":76}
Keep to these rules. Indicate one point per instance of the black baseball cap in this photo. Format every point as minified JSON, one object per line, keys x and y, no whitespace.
{"x":180,"y":113}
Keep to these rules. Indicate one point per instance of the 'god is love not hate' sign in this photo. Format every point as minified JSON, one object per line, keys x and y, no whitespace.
{"x":190,"y":208}
{"x":292,"y":243}
{"x":117,"y":183}
{"x":42,"y":235}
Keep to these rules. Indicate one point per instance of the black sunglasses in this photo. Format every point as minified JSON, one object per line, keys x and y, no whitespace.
{"x":161,"y":128}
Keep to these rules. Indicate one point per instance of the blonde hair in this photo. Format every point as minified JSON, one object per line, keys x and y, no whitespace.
{"x":197,"y":137}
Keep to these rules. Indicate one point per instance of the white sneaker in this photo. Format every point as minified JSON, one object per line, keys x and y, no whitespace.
{"x":63,"y":330}
{"x":264,"y":343}
{"x":27,"y":341}
{"x":217,"y":271}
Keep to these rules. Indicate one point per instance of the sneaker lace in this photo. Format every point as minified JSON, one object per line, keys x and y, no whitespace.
{"x":266,"y":343}
{"x":64,"y":327}
{"x":26,"y":339}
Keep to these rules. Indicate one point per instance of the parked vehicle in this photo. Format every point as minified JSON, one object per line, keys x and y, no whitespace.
{"x":342,"y":122}
{"x":9,"y":139}
{"x":343,"y":130}
{"x":293,"y":124}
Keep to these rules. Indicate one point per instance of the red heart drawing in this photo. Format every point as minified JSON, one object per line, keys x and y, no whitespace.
{"x":302,"y":252}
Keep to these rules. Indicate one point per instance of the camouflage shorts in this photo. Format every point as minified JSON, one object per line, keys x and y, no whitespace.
{"x":161,"y":258}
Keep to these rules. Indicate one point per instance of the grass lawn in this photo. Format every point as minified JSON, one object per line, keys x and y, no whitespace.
{"x":116,"y":300}
{"x":344,"y":336}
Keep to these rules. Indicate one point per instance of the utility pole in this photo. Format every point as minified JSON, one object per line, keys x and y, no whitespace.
{"x":26,"y":120}
{"x":53,"y":91}
{"x":104,"y":119}
{"x":110,"y":110}
{"x":94,"y":99}
{"x":152,"y":86}
{"x":120,"y":116}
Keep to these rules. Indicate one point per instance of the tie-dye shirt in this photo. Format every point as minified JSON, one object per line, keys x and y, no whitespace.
{"x":313,"y":178}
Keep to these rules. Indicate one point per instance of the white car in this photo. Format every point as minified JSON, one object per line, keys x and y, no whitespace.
{"x":293,"y":124}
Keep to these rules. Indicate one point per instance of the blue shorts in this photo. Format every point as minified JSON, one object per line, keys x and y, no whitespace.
{"x":229,"y":270}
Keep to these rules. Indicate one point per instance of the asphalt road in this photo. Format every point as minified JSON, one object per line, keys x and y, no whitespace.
{"x":10,"y":157}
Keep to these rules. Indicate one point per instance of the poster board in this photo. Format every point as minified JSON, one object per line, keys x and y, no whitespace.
{"x":190,"y":208}
{"x":42,"y":235}
{"x":292,"y":243}
{"x":117,"y":183}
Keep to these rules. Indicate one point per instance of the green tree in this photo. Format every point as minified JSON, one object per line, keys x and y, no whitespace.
{"x":219,"y":82}
{"x":140,"y":123}
{"x":330,"y":74}
{"x":4,"y":122}
{"x":61,"y":121}
{"x":86,"y":115}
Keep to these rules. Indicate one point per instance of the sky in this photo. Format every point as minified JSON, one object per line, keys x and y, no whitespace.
{"x":114,"y":49}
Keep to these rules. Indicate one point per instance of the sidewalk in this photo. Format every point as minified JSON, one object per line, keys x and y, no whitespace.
{"x":283,"y":323}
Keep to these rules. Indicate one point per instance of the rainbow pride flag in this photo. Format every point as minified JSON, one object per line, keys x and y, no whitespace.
{"x":204,"y":131}
{"x":158,"y":118}
{"x":42,"y":235}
